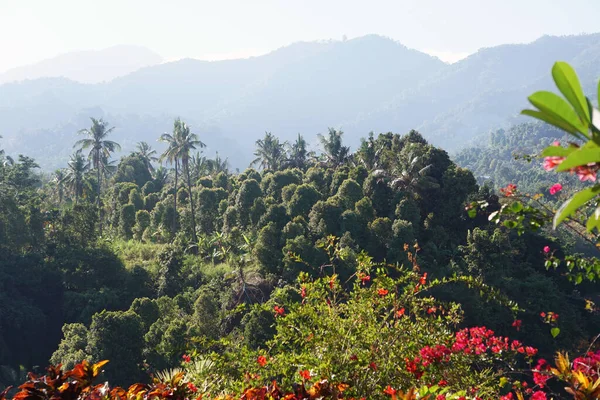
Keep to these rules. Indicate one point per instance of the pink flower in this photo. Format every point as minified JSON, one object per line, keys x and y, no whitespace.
{"x":538,"y":395}
{"x":552,"y":162}
{"x":546,"y":249}
{"x":586,"y":173}
{"x":557,"y":187}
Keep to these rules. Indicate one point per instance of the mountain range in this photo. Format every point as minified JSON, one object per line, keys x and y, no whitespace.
{"x":370,"y":83}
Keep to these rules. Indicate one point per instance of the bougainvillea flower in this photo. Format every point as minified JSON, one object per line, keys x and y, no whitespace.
{"x":382,"y":292}
{"x":186,"y":358}
{"x":546,"y":249}
{"x":509,"y":190}
{"x":261,"y":360}
{"x":517,"y":324}
{"x":305,"y":374}
{"x":552,"y":162}
{"x":389,"y":390}
{"x":279,"y":311}
{"x":557,"y":187}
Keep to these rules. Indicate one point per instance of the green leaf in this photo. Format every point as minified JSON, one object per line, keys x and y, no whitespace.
{"x":554,"y":121}
{"x":571,"y":205}
{"x":554,"y":332}
{"x":555,"y":106}
{"x":558,"y":151}
{"x":582,"y":156}
{"x":516,"y":206}
{"x":510,"y":224}
{"x":594,"y":220}
{"x":568,"y":84}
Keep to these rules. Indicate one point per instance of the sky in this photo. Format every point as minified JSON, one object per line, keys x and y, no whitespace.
{"x":33,"y":30}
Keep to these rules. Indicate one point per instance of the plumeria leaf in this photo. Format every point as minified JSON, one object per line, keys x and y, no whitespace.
{"x":558,"y":108}
{"x":571,"y":205}
{"x":559,"y":123}
{"x":582,"y":156}
{"x":555,"y":332}
{"x":558,"y":151}
{"x":566,"y":79}
{"x":594,"y":220}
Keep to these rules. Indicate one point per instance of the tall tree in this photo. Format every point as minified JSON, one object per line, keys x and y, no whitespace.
{"x":100,"y":151}
{"x":218,"y":164}
{"x":147,"y":154}
{"x":186,"y":142}
{"x":270,"y":153}
{"x":171,"y":156}
{"x":335,"y":152}
{"x":298,"y":153}
{"x":58,"y":179}
{"x":75,"y":174}
{"x":181,"y":143}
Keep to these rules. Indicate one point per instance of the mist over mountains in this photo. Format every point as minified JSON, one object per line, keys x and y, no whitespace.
{"x":366,"y":84}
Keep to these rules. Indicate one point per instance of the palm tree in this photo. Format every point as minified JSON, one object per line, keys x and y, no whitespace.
{"x":270,"y":153}
{"x":335,"y":152}
{"x":146,"y":154}
{"x":181,"y":142}
{"x":298,"y":153}
{"x":100,"y":150}
{"x":218,"y":164}
{"x":58,"y":180}
{"x":75,"y":174}
{"x":171,"y":156}
{"x":187,"y":141}
{"x":199,"y":165}
{"x":160,"y":177}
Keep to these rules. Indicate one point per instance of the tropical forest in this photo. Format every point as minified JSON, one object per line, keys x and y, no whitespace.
{"x":317,"y":265}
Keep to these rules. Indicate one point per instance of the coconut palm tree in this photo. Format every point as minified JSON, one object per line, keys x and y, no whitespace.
{"x":298,"y":153}
{"x":270,"y":153}
{"x":218,"y":164}
{"x":160,"y":177}
{"x":74,"y":176}
{"x":333,"y":149}
{"x":180,"y":144}
{"x":146,"y":154}
{"x":58,"y":179}
{"x":100,"y":151}
{"x":171,"y":156}
{"x":186,"y":142}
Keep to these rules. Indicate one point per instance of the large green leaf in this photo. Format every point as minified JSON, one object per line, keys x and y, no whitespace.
{"x":554,"y":121}
{"x":594,"y":220}
{"x":558,"y":151}
{"x":582,"y":156}
{"x":571,"y":205}
{"x":568,"y":84}
{"x":557,"y":107}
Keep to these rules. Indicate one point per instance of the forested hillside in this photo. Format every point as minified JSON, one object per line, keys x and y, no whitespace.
{"x":154,"y":256}
{"x":365,"y":84}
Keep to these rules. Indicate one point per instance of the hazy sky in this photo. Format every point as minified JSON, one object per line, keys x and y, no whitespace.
{"x":32,"y":30}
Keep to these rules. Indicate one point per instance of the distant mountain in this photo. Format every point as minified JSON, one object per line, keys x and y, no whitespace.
{"x":91,"y":66}
{"x":366,"y":84}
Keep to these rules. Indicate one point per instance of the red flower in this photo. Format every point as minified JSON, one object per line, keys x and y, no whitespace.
{"x":305,"y":374}
{"x":538,"y":395}
{"x":423,"y":279}
{"x":543,"y":314}
{"x":531,"y":351}
{"x":586,"y":173}
{"x":552,"y":162}
{"x":389,"y":390}
{"x":517,"y":324}
{"x":186,"y":358}
{"x":353,"y":357}
{"x":192,"y":387}
{"x":400,"y":312}
{"x":373,"y":366}
{"x":546,"y":249}
{"x":303,"y":292}
{"x":443,"y":382}
{"x":364,"y":278}
{"x":279,"y":311}
{"x":431,"y":310}
{"x":331,"y":282}
{"x":261,"y":360}
{"x":382,"y":292}
{"x":509,"y":190}
{"x":554,"y":316}
{"x":509,"y":396}
{"x":440,"y":397}
{"x":557,"y":187}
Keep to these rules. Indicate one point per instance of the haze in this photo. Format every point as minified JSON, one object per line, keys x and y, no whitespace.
{"x":38,"y":29}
